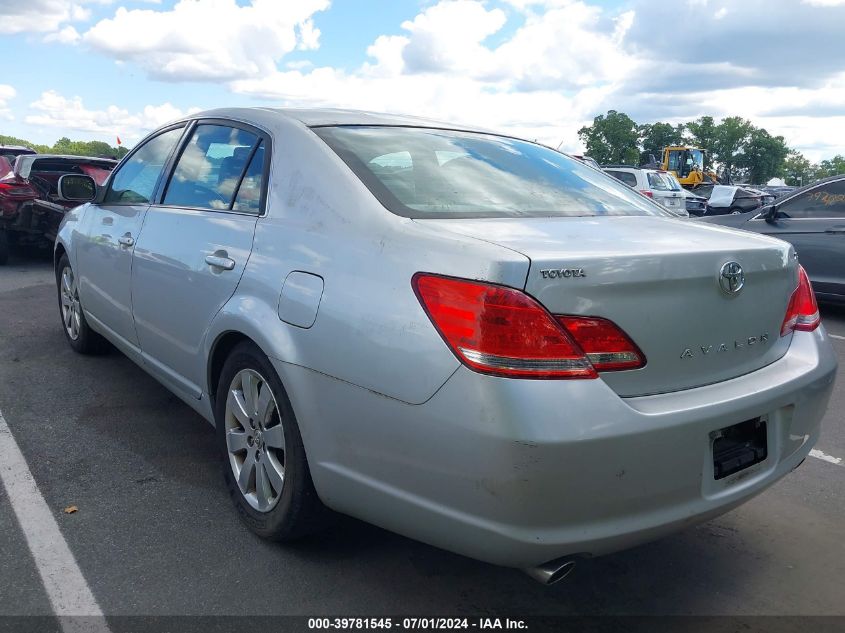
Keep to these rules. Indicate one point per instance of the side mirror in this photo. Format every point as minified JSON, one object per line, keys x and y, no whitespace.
{"x":77,"y":188}
{"x":770,"y":215}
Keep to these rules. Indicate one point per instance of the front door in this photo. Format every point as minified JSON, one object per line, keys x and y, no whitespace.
{"x":111,"y":228}
{"x":814,"y":223}
{"x":194,"y":246}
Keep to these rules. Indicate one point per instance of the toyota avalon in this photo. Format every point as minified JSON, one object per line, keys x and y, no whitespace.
{"x":458,"y":335}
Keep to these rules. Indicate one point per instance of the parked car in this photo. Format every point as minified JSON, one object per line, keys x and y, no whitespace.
{"x":469,"y":339}
{"x":728,"y":199}
{"x":11,"y":152}
{"x":659,"y":185}
{"x":31,"y":206}
{"x":812,"y":219}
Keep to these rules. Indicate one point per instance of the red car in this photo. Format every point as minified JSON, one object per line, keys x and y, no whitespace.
{"x":31,"y":208}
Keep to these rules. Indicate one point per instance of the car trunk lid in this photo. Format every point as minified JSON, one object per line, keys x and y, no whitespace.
{"x":657,"y":279}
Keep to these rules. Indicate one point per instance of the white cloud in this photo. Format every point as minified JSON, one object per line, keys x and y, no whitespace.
{"x":208,"y":39}
{"x":536,"y":68}
{"x":55,"y":110}
{"x":39,"y":16}
{"x":67,"y":35}
{"x":7,"y":93}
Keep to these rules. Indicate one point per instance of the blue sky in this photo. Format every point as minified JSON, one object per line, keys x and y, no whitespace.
{"x":539,"y":68}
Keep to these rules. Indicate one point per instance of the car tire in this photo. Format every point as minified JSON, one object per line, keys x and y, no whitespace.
{"x":78,"y":333}
{"x":735,"y":211}
{"x":261,"y":449}
{"x":4,"y":247}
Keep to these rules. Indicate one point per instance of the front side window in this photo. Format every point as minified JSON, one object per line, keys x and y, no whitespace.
{"x":465,"y":175}
{"x":135,"y":181}
{"x":210,"y":167}
{"x":823,"y":201}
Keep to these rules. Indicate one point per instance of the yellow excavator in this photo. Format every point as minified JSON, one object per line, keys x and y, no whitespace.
{"x":687,"y":164}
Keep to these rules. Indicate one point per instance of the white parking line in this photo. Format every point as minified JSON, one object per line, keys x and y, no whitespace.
{"x":66,"y":588}
{"x":825,"y":457}
{"x":836,"y":336}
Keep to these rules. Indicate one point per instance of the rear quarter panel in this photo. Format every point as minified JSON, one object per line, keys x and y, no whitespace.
{"x":370,"y":329}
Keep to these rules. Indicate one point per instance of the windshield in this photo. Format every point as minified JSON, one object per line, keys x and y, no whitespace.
{"x":697,"y":159}
{"x":431,"y":173}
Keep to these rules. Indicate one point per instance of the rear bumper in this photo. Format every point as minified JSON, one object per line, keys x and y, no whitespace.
{"x":519,"y":472}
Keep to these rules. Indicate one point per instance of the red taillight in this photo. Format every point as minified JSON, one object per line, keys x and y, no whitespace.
{"x":608,"y":348}
{"x":803,"y":311}
{"x":15,"y":189}
{"x":647,"y":193}
{"x":502,"y":331}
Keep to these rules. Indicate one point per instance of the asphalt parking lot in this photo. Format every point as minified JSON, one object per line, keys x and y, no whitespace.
{"x":156,"y":534}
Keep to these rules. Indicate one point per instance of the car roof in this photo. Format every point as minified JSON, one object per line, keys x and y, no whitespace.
{"x":319,"y":117}
{"x":24,"y":147}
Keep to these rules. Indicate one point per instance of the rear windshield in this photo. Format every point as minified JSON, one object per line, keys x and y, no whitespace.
{"x":659,"y":182}
{"x":430,"y":173}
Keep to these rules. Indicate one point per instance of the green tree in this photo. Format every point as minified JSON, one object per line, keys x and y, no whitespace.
{"x":797,"y":170}
{"x":85,"y":148}
{"x":611,"y":139}
{"x":702,"y":134}
{"x":763,"y":156}
{"x":655,"y":136}
{"x":12,"y":140}
{"x":831,"y":167}
{"x":732,"y":134}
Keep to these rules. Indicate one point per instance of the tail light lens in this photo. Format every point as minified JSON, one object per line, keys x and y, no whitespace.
{"x":607,"y":347}
{"x":15,"y":189}
{"x":803,"y":311}
{"x":502,"y":331}
{"x":647,"y":193}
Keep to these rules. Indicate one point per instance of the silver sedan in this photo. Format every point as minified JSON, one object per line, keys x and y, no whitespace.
{"x":464,"y":337}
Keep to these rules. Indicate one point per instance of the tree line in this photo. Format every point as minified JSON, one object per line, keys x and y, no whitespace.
{"x":735,"y":147}
{"x":64,"y":145}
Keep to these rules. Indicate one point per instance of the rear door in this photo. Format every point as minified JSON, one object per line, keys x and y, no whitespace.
{"x":109,"y":232}
{"x":814,"y":223}
{"x":195,"y":244}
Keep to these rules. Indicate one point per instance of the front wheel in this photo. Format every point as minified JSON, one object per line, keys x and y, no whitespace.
{"x":77,"y":332}
{"x":265,"y":466}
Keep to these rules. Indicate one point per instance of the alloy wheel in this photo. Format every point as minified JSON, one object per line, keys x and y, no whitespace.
{"x":71,"y":310}
{"x":255,"y":439}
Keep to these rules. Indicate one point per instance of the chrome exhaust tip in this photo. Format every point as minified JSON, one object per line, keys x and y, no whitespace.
{"x":551,"y":572}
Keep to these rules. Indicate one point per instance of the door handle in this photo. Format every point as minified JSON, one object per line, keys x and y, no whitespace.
{"x":218,"y":261}
{"x":126,"y":240}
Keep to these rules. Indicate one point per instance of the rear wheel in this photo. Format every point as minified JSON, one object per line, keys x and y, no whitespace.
{"x":735,"y":211}
{"x":265,"y":466}
{"x":77,"y":332}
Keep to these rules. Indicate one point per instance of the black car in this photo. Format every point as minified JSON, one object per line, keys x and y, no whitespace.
{"x":812,"y":219}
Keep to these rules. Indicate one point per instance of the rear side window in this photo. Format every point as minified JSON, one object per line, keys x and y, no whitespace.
{"x":210,"y":167}
{"x":135,"y":181}
{"x":248,"y":197}
{"x":625,"y":176}
{"x":657,"y":182}
{"x":433,"y":173}
{"x":824,"y":201}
